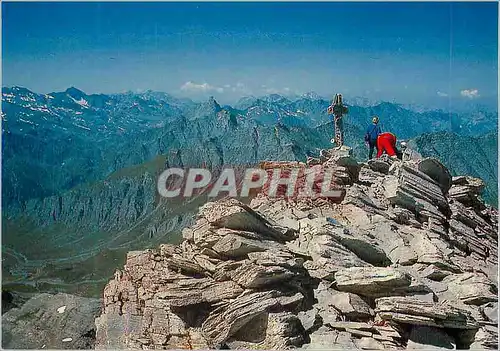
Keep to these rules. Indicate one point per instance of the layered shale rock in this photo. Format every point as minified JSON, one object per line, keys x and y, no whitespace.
{"x":233,"y":269}
{"x":416,"y":311}
{"x":404,"y":260}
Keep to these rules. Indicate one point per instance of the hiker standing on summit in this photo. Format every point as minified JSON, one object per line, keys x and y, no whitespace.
{"x":371,"y":136}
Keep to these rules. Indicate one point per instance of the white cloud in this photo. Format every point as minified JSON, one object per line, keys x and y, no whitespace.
{"x":442,"y":94}
{"x":204,"y":87}
{"x":470,"y":93}
{"x":271,"y":91}
{"x":239,"y":87}
{"x":284,"y":91}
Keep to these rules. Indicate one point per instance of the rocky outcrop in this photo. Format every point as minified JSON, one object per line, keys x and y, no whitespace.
{"x":416,"y":311}
{"x":233,"y":269}
{"x":370,"y":281}
{"x":412,"y":189}
{"x":467,"y":190}
{"x":472,"y":288}
{"x":398,"y":263}
{"x":47,"y":321}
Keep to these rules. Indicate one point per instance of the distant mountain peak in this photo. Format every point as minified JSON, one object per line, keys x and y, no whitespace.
{"x":75,"y":93}
{"x":207,"y":108}
{"x":274,"y":98}
{"x":312,"y":95}
{"x":20,"y":90}
{"x":213,"y":103}
{"x":245,"y":102}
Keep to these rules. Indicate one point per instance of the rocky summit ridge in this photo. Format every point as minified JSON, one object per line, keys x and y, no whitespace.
{"x":406,"y":259}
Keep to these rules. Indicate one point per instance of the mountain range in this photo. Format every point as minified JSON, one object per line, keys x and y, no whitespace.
{"x":69,"y":138}
{"x":79,"y":170}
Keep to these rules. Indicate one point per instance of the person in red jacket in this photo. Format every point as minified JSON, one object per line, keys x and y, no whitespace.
{"x":386,"y":142}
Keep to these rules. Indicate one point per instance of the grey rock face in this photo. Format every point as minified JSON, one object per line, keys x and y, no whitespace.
{"x":415,"y":311}
{"x":309,"y":319}
{"x":416,"y":191}
{"x":349,"y":305}
{"x":437,"y":171}
{"x":486,"y":338}
{"x":371,"y":281}
{"x":228,"y":320}
{"x":172,"y":281}
{"x":472,"y":288}
{"x":490,"y":310}
{"x":380,"y":165}
{"x":47,"y":321}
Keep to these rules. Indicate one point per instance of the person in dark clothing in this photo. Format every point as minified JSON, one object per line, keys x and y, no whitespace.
{"x":371,"y":136}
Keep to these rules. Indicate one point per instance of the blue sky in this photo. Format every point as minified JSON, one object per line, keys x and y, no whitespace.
{"x":407,"y":52}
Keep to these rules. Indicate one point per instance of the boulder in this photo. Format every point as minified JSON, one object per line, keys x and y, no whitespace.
{"x":280,"y":258}
{"x":411,"y":189}
{"x":250,"y":275}
{"x":486,"y":338}
{"x":363,"y":246}
{"x":490,"y":310}
{"x":269,"y":331}
{"x":232,"y":214}
{"x":310,"y":319}
{"x":181,"y":264}
{"x":473,"y":239}
{"x":379,"y":165}
{"x":327,"y":339}
{"x":225,"y":321}
{"x":467,"y":190}
{"x":349,"y":305}
{"x":476,"y":185}
{"x":472,"y":288}
{"x":328,"y":256}
{"x":236,"y":246}
{"x":436,"y":171}
{"x":429,"y":253}
{"x":187,"y":292}
{"x":415,"y":311}
{"x":371,"y":281}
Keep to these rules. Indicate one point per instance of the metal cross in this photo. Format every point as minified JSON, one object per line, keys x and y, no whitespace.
{"x":338,"y":110}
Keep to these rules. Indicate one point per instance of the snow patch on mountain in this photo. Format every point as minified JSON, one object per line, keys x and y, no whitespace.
{"x":82,"y":102}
